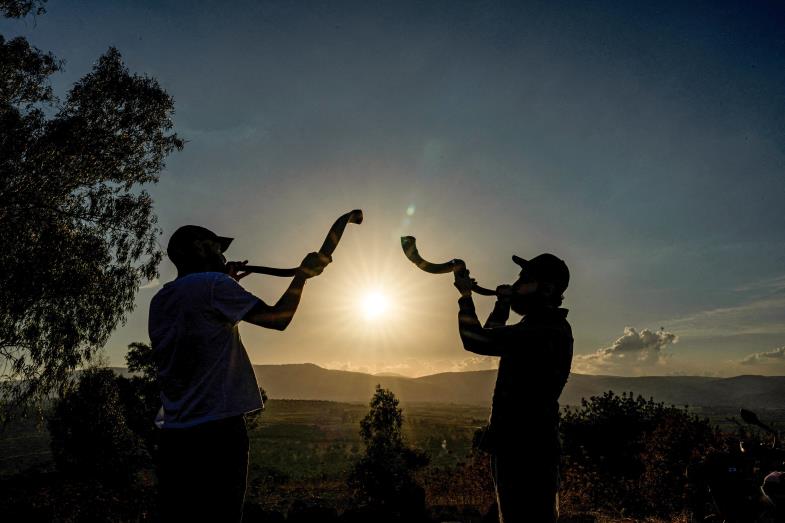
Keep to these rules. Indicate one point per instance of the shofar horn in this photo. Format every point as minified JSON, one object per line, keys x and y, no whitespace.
{"x":409,"y":244}
{"x":328,"y":247}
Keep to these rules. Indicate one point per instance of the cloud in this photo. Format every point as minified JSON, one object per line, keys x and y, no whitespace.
{"x":633,"y":352}
{"x":761,"y":316}
{"x":152,"y":284}
{"x":412,"y":367}
{"x":476,"y":363}
{"x":768,"y":285}
{"x":348,"y":366}
{"x":765,"y":358}
{"x":760,"y":313}
{"x":224,"y":135}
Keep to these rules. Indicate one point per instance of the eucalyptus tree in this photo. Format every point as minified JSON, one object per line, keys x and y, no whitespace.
{"x":78,"y":233}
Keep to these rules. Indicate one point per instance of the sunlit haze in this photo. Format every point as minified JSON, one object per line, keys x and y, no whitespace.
{"x":640,"y":142}
{"x":374,"y":305}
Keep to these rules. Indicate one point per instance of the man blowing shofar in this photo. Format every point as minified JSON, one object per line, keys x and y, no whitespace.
{"x":536,"y":355}
{"x":207,"y":381}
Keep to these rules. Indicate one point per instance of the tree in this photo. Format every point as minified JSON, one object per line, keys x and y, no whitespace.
{"x":78,"y":229}
{"x":20,"y":8}
{"x":101,"y":438}
{"x":102,"y":423}
{"x":141,"y":360}
{"x":140,"y":394}
{"x":383,"y":479}
{"x":90,"y":434}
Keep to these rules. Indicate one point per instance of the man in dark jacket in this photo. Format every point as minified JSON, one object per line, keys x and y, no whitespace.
{"x":536,"y":355}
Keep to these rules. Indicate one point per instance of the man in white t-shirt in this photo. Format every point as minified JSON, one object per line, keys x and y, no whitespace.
{"x":206,"y":379}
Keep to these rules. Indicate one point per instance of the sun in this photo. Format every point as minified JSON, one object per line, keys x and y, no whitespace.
{"x":374,"y":305}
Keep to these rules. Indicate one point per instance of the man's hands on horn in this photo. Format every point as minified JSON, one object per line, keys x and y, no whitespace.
{"x":314,"y":263}
{"x":463,"y":282}
{"x":504,"y":294}
{"x":234,"y":268}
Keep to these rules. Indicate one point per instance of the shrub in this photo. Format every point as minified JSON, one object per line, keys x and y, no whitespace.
{"x":383,"y":479}
{"x":90,"y":434}
{"x":629,"y":455}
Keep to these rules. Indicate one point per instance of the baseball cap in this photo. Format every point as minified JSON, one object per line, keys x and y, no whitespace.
{"x":181,"y":243}
{"x":546,"y":267}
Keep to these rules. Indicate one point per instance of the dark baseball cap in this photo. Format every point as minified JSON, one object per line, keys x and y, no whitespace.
{"x":546,"y":267}
{"x":181,"y":243}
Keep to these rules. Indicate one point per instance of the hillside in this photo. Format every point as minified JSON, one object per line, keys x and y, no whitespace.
{"x":308,"y":381}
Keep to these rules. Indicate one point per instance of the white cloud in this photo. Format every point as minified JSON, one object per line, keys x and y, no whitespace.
{"x":348,"y":366}
{"x":761,"y":316}
{"x":476,"y":363}
{"x":412,"y":367}
{"x":632,"y":353}
{"x":765,"y":358}
{"x":152,"y":284}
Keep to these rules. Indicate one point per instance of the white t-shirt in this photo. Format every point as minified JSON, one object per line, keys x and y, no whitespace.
{"x":203,"y":369}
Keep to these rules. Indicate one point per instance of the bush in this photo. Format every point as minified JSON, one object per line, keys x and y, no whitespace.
{"x":90,"y":434}
{"x":468,"y":484}
{"x":140,"y":394}
{"x":383,"y":479}
{"x":102,"y":439}
{"x":628,"y":455}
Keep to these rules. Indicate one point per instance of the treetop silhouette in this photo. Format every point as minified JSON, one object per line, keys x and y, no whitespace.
{"x":78,"y":227}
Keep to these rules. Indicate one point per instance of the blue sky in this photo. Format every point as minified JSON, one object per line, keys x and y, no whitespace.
{"x":641,"y":143}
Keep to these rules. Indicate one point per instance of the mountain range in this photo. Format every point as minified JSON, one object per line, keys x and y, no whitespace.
{"x":309,"y":381}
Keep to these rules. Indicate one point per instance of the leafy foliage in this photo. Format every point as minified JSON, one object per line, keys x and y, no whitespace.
{"x":629,"y":455}
{"x":20,"y":8}
{"x":140,"y":394}
{"x":78,"y":228}
{"x":469,"y":483}
{"x":140,"y":359}
{"x":383,"y":479}
{"x":91,"y":437}
{"x":103,"y":439}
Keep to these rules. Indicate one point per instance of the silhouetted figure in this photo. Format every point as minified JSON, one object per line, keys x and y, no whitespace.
{"x":536,"y":355}
{"x":207,"y":381}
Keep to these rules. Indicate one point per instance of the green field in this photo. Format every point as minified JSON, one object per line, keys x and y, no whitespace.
{"x":306,"y":439}
{"x":305,"y":449}
{"x":296,"y":438}
{"x":302,"y":439}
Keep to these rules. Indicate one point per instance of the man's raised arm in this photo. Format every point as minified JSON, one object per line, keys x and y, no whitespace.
{"x":280,"y":315}
{"x":501,"y":309}
{"x":496,"y":338}
{"x":475,"y":338}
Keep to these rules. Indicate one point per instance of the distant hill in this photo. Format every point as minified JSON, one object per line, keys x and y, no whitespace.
{"x":308,"y":381}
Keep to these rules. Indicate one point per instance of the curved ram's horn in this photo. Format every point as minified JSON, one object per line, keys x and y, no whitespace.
{"x":409,"y":244}
{"x":328,"y":247}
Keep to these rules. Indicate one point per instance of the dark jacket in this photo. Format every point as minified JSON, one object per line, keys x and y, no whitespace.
{"x":536,"y":355}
